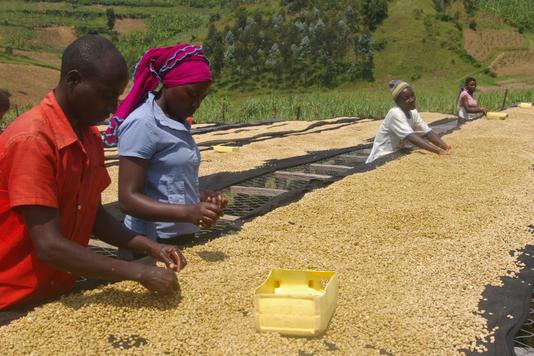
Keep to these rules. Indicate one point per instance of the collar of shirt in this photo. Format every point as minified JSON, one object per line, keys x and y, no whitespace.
{"x":410,"y":113}
{"x":163,"y":119}
{"x":61,"y":127}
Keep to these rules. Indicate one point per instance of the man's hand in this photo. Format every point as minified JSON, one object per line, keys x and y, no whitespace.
{"x":170,"y":255}
{"x":159,"y":280}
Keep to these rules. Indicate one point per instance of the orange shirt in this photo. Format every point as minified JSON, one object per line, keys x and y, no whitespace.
{"x":42,"y":162}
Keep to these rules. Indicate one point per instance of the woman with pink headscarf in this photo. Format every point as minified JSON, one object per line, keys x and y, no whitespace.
{"x":158,"y":157}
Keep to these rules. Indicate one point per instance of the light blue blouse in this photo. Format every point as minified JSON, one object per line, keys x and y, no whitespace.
{"x":174,"y":158}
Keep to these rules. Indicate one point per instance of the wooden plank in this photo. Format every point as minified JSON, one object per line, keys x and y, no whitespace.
{"x":230,"y":217}
{"x":264,"y":192}
{"x":101,"y":244}
{"x":300,"y":175}
{"x":355,"y":158}
{"x":331,"y":167}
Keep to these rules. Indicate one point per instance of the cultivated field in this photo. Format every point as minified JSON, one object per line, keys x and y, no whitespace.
{"x":482,"y":43}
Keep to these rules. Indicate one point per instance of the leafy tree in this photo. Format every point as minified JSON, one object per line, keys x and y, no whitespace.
{"x":229,"y":38}
{"x":110,"y":15}
{"x":241,"y":17}
{"x":274,"y":57}
{"x":213,"y":45}
{"x":351,"y":17}
{"x":441,"y":5}
{"x":364,"y":68}
{"x":374,"y":11}
{"x":309,"y":42}
{"x":300,"y":26}
{"x":364,"y":45}
{"x":229,"y":55}
{"x":305,"y":47}
{"x":470,"y":7}
{"x":295,"y":51}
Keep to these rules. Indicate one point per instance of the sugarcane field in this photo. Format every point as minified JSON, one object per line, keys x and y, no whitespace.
{"x":281,"y":177}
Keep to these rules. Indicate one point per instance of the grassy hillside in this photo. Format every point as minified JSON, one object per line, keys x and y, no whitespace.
{"x":432,"y":49}
{"x":420,"y":48}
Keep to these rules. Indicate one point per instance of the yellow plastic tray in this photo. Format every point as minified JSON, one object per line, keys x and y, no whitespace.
{"x":297,"y":303}
{"x":526,"y":105}
{"x":496,"y":115}
{"x":225,"y":149}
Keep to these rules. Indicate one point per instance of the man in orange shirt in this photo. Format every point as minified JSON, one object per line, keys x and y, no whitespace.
{"x":51,"y":176}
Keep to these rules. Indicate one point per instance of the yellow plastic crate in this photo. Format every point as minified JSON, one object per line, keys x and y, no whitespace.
{"x":526,"y":105}
{"x":496,"y":115}
{"x":297,"y":303}
{"x":225,"y":149}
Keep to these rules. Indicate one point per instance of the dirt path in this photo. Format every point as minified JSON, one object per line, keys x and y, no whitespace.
{"x":27,"y":84}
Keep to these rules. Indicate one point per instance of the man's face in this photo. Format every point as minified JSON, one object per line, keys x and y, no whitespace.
{"x":94,"y":98}
{"x":182,"y":101}
{"x":406,"y":99}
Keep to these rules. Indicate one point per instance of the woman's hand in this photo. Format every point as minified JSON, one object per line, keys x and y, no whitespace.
{"x":170,"y":255}
{"x":204,"y":214}
{"x":213,"y":197}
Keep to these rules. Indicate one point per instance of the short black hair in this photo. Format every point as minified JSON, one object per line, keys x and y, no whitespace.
{"x":4,"y":101}
{"x":469,"y":79}
{"x":87,"y":54}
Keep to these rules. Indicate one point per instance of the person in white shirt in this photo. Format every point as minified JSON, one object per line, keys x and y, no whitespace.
{"x":403,"y":124}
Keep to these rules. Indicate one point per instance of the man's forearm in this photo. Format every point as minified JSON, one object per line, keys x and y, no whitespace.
{"x":73,"y":258}
{"x":436,"y":140}
{"x":109,"y":230}
{"x":424,"y":144}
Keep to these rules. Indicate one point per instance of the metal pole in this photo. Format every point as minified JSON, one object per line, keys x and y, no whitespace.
{"x":504,"y":101}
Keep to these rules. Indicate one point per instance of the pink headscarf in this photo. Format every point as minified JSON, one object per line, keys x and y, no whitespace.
{"x":173,"y":66}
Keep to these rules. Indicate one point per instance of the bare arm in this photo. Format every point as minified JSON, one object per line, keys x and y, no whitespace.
{"x":109,"y":230}
{"x":436,"y":140}
{"x":133,"y":201}
{"x":472,"y":109}
{"x":52,"y":248}
{"x":424,"y":144}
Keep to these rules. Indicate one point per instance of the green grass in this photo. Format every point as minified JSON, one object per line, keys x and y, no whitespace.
{"x":11,"y":59}
{"x":516,"y":12}
{"x":317,"y":106}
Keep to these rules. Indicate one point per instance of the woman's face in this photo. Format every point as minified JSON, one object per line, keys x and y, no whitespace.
{"x":182,"y":101}
{"x":471,"y":86}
